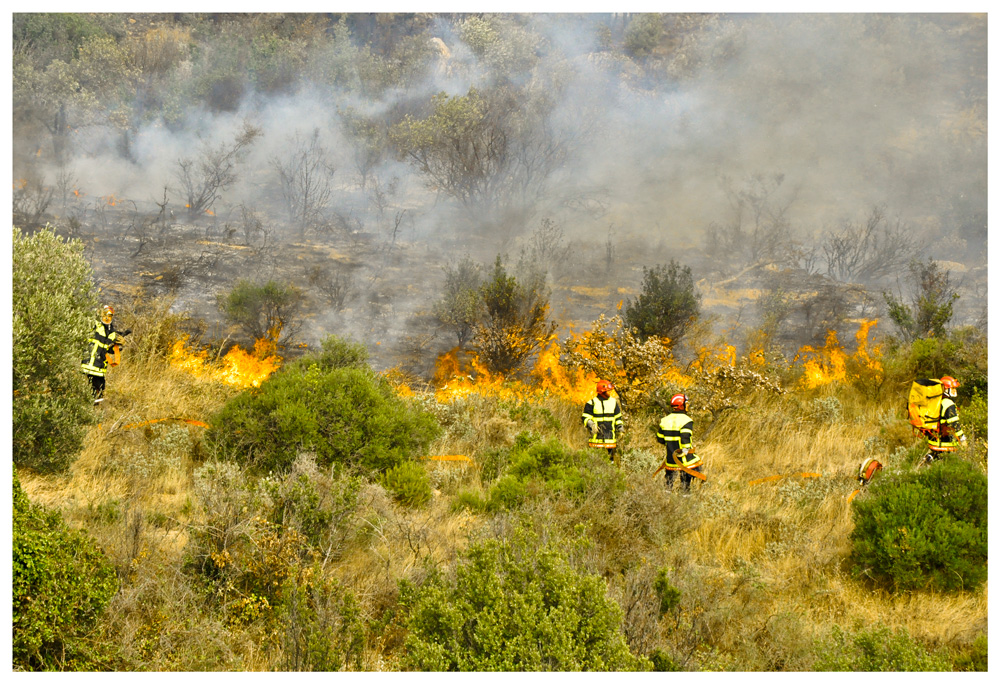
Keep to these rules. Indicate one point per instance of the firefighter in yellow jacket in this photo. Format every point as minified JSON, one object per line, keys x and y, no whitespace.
{"x":602,"y":415}
{"x":949,"y":433}
{"x":675,"y":433}
{"x":103,"y":346}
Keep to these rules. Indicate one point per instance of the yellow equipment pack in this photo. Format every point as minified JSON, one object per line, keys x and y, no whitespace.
{"x":924,"y":406}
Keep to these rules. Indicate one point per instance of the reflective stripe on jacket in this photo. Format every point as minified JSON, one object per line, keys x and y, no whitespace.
{"x":675,"y":433}
{"x":608,"y":416}
{"x":102,"y":337}
{"x":949,"y":431}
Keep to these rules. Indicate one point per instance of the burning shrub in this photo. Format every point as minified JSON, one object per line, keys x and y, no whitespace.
{"x":408,"y":483}
{"x":514,"y":605}
{"x":263,"y":310}
{"x":343,"y":415}
{"x":924,"y":529}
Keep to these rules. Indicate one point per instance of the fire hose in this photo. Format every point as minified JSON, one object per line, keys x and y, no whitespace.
{"x":684,"y":468}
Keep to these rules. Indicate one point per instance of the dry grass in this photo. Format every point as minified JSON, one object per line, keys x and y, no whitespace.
{"x":761,"y":567}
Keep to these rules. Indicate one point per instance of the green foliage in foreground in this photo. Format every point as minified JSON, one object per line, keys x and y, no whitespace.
{"x":408,"y":483}
{"x":548,"y":467}
{"x":925,"y":529}
{"x":53,"y":302}
{"x":876,"y":649}
{"x":61,"y":583}
{"x":344,"y":415}
{"x":514,"y":605}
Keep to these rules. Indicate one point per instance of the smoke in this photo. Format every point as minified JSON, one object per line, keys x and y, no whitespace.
{"x":849,"y":110}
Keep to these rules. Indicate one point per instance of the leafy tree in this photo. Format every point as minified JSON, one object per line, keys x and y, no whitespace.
{"x":345,"y":415}
{"x":460,"y":306}
{"x":513,"y":325}
{"x":61,"y":583}
{"x":54,"y":304}
{"x":642,"y":35}
{"x":514,"y":605}
{"x":667,"y":305}
{"x":925,"y":529}
{"x":491,"y":151}
{"x":932,"y":304}
{"x":263,"y":311}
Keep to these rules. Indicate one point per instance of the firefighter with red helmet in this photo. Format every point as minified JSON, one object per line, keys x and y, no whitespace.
{"x":949,"y":433}
{"x":675,"y":433}
{"x":103,"y":347}
{"x":602,"y":416}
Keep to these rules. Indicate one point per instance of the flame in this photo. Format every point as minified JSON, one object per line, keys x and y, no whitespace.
{"x":110,"y":200}
{"x":830,"y":363}
{"x":210,"y":212}
{"x":238,"y":367}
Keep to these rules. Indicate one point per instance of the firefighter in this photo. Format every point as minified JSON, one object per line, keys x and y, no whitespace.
{"x":675,"y":433}
{"x":949,"y":433}
{"x":104,"y":340}
{"x":602,"y":416}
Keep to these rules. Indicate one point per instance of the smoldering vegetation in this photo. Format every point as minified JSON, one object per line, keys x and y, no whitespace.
{"x":355,"y":156}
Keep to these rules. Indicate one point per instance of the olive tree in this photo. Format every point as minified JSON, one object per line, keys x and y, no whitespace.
{"x":54,"y":303}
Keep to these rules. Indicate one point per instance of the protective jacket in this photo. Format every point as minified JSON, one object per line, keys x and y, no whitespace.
{"x":949,"y":431}
{"x":608,"y":416}
{"x":675,"y":432}
{"x":102,"y":338}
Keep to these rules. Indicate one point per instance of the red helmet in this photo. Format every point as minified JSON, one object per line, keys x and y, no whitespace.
{"x":950,"y":386}
{"x":603,"y":387}
{"x":679,"y":402}
{"x":108,"y":310}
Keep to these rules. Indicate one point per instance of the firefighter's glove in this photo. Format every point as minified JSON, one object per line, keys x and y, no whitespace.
{"x":590,"y":425}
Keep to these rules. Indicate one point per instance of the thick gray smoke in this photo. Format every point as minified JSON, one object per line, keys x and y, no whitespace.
{"x":849,"y":111}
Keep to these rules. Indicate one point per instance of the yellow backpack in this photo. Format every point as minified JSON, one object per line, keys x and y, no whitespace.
{"x":924,"y":406}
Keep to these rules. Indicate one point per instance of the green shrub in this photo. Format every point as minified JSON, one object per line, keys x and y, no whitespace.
{"x":337,"y":353}
{"x":53,"y":305}
{"x":408,"y":483}
{"x":875,"y":649}
{"x":343,"y":415}
{"x":61,"y":582}
{"x":514,"y":605}
{"x":975,"y":416}
{"x":973,"y":659}
{"x":324,"y":631}
{"x":669,"y":595}
{"x":668,"y":304}
{"x":924,"y":529}
{"x":263,"y":310}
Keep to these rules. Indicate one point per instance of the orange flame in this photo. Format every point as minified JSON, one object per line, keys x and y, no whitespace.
{"x":238,"y":367}
{"x":829,"y":364}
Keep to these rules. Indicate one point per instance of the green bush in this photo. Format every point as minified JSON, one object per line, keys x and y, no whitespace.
{"x":263,"y":310}
{"x":924,"y":529}
{"x":324,"y":631}
{"x":668,"y":304}
{"x":669,"y":595}
{"x":54,"y":307}
{"x":975,"y":416}
{"x":876,"y":649}
{"x":343,"y":415}
{"x":61,"y":582}
{"x":514,"y":605}
{"x":973,"y":659}
{"x":337,"y":353}
{"x":409,"y":483}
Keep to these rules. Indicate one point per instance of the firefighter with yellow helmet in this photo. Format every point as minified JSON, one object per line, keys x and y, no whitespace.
{"x":103,"y":350}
